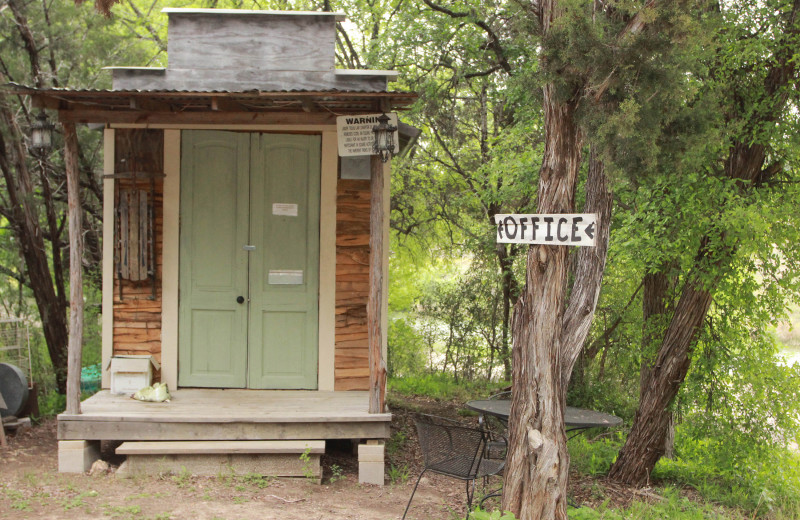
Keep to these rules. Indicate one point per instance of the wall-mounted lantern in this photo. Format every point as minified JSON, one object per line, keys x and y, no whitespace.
{"x":41,"y":135}
{"x":384,"y":138}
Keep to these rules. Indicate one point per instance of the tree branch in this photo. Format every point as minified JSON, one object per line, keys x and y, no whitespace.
{"x":493,"y":41}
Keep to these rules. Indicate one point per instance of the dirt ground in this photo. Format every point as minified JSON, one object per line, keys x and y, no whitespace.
{"x":31,"y":487}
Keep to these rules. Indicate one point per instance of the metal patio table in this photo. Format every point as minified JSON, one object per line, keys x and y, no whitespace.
{"x":574,"y":418}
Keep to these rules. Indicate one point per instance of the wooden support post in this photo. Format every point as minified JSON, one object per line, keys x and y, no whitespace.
{"x":377,"y":365}
{"x":75,"y":345}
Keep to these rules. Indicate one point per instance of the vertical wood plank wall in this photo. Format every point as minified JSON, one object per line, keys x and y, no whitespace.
{"x":137,"y":316}
{"x":352,"y":284}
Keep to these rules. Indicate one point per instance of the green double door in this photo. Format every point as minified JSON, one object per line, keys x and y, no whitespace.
{"x":249,"y":260}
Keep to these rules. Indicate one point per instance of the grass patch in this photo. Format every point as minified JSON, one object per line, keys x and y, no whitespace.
{"x":594,"y":457}
{"x":766,"y":483}
{"x":671,"y":506}
{"x":443,"y":387}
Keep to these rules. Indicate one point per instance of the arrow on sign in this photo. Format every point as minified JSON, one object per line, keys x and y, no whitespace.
{"x":555,"y":229}
{"x":590,"y":231}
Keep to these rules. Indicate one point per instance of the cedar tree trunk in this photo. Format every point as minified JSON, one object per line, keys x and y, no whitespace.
{"x":537,"y":462}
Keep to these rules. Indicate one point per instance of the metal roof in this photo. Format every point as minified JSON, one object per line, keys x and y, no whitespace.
{"x":124,"y":105}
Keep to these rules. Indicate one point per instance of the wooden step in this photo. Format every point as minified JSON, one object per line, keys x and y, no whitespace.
{"x":213,"y":458}
{"x":218,"y":447}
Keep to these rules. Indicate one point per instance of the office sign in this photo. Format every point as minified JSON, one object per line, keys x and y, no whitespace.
{"x":557,"y":229}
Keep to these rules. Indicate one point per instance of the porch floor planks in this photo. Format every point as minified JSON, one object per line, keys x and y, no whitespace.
{"x":232,"y":406}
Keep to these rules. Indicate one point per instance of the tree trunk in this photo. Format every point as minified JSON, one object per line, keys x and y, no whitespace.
{"x":590,"y":264}
{"x":25,"y":224}
{"x":646,"y":442}
{"x":506,"y":261}
{"x":654,"y":314}
{"x":537,"y":463}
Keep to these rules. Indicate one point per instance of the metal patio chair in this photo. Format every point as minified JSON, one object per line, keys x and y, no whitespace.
{"x":452,"y":449}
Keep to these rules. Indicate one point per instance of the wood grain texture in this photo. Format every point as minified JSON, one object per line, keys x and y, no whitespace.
{"x":209,"y":41}
{"x":137,"y":315}
{"x":352,"y":285}
{"x":218,"y":415}
{"x":75,"y":344}
{"x":375,"y":332}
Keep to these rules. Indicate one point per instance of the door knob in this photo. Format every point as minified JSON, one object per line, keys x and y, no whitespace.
{"x":240,"y":299}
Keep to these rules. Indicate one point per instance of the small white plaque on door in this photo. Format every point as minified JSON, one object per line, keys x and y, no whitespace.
{"x":284,"y":210}
{"x":285,"y":277}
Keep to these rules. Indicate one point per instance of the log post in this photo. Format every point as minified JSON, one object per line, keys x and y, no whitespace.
{"x":377,"y":365}
{"x":75,"y":343}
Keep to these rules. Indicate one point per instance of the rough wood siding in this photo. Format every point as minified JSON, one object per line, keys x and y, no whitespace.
{"x":352,"y":285}
{"x":247,"y":42}
{"x":137,"y":315}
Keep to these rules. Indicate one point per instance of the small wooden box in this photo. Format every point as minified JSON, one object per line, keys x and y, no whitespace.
{"x":129,"y":374}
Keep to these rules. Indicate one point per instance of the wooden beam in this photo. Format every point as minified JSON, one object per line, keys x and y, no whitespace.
{"x":206,"y":117}
{"x":179,"y":431}
{"x":377,"y":365}
{"x":74,"y":346}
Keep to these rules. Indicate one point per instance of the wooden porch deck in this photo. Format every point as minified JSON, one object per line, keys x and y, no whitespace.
{"x":230,"y":414}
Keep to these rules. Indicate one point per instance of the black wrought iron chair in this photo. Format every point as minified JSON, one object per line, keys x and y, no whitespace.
{"x":452,"y":449}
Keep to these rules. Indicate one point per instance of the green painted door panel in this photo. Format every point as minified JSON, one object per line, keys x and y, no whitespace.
{"x":261,"y":190}
{"x":284,"y":268}
{"x":213,"y":266}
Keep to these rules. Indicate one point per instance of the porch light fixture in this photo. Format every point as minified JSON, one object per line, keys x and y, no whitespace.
{"x":384,"y":138}
{"x":41,"y":135}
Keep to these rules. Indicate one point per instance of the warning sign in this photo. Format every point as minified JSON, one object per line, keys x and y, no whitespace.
{"x":558,"y":229}
{"x":356,"y":136}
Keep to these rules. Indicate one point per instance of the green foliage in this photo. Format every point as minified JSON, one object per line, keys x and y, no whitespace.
{"x":183,"y":479}
{"x":442,"y":386}
{"x":672,"y":506}
{"x":736,"y":474}
{"x":398,"y":474}
{"x":52,"y":404}
{"x":407,"y":349}
{"x":594,"y":457}
{"x":307,"y":464}
{"x":258,"y":480}
{"x":493,"y":515}
{"x":337,"y":474}
{"x":396,"y":443}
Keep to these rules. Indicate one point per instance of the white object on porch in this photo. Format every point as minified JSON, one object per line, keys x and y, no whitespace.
{"x":131,"y":373}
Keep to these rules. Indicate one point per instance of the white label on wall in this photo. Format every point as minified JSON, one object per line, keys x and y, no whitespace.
{"x":285,"y":277}
{"x":284,"y":210}
{"x":355,"y":133}
{"x":557,"y":229}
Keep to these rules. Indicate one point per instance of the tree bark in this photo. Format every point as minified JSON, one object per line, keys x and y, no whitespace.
{"x":537,"y":462}
{"x":590,"y":266}
{"x":75,"y":349}
{"x":25,"y":224}
{"x":646,"y":442}
{"x":507,"y":283}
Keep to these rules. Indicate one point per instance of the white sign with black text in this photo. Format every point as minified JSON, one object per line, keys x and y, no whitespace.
{"x":559,"y":229}
{"x":355,"y":133}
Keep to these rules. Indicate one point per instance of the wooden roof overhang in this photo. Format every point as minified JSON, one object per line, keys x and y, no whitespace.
{"x":289,"y":107}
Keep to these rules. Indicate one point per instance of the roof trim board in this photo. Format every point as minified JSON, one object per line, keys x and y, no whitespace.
{"x":338,"y":15}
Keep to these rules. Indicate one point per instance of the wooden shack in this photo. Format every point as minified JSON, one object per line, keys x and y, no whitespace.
{"x":239,"y":249}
